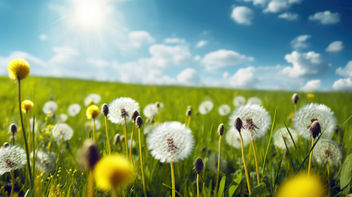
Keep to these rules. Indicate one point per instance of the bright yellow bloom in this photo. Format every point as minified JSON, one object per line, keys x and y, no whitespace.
{"x":302,"y":185}
{"x":310,"y":96}
{"x":27,"y":106}
{"x":18,"y":69}
{"x":113,"y":172}
{"x":92,"y":111}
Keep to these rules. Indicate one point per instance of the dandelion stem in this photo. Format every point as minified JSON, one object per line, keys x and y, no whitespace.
{"x":141,"y":160}
{"x":245,"y":166}
{"x":188,"y":121}
{"x":125,"y":133}
{"x":310,"y":157}
{"x":328,"y":171}
{"x":255,"y":159}
{"x":107,"y":135}
{"x":90,"y":185}
{"x":197,"y":185}
{"x":172,"y":179}
{"x":295,"y":108}
{"x":218,"y":170}
{"x":114,"y":192}
{"x":94,"y":129}
{"x":24,"y":134}
{"x":131,"y":142}
{"x":12,"y":182}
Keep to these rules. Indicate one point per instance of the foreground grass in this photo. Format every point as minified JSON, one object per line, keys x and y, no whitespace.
{"x":69,"y":180}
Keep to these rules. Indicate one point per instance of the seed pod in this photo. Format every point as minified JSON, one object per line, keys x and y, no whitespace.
{"x":315,"y":129}
{"x":198,"y":165}
{"x":139,"y":122}
{"x":13,"y":128}
{"x":117,"y":139}
{"x":189,"y":111}
{"x":221,"y":129}
{"x":295,"y":98}
{"x":105,"y":109}
{"x":135,"y":115}
{"x":238,"y":124}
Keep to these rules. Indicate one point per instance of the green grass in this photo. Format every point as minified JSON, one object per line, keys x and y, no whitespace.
{"x":176,"y":100}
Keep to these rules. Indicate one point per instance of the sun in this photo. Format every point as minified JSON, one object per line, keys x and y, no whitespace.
{"x":90,"y":14}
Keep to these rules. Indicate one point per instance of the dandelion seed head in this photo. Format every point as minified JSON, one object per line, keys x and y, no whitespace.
{"x":73,"y":110}
{"x":122,"y":104}
{"x":233,"y":138}
{"x":50,"y":107}
{"x":62,"y":117}
{"x":254,"y":101}
{"x":11,"y":158}
{"x":323,"y":114}
{"x":205,"y":107}
{"x":62,"y":131}
{"x":27,"y":106}
{"x":45,"y":161}
{"x":170,"y":141}
{"x":150,"y":111}
{"x":92,"y":99}
{"x":239,"y":101}
{"x":281,"y":136}
{"x":93,"y":112}
{"x":18,"y":69}
{"x":224,"y":110}
{"x":327,"y":152}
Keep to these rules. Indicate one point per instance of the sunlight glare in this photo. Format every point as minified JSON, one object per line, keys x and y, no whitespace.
{"x":90,"y":14}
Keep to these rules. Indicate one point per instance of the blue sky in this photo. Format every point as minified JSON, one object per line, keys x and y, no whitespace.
{"x":262,"y":44}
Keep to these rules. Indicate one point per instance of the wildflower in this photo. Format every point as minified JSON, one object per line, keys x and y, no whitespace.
{"x":45,"y":161}
{"x":310,"y":96}
{"x":327,"y":152}
{"x":150,"y":111}
{"x":239,"y":101}
{"x":73,"y":110}
{"x":105,"y":109}
{"x":224,"y":110}
{"x":62,"y":131}
{"x":170,"y":141}
{"x":113,"y":172}
{"x":11,"y":158}
{"x":119,"y":105}
{"x":18,"y":69}
{"x":92,"y":112}
{"x":92,"y":99}
{"x":281,"y":136}
{"x":50,"y":107}
{"x":27,"y":106}
{"x":302,"y":185}
{"x":233,"y":138}
{"x":305,"y":116}
{"x":254,"y":101}
{"x":205,"y":107}
{"x":257,"y":119}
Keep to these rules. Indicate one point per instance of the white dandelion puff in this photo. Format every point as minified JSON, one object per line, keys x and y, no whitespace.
{"x":205,"y":107}
{"x":239,"y":101}
{"x":62,"y":131}
{"x":224,"y":110}
{"x":45,"y":161}
{"x":170,"y":141}
{"x":62,"y":118}
{"x":254,"y":101}
{"x":92,"y":99}
{"x":150,"y":111}
{"x":89,"y":125}
{"x":73,"y":110}
{"x":327,"y":152}
{"x":310,"y":112}
{"x":50,"y":107}
{"x":36,"y":126}
{"x":233,"y":138}
{"x":11,"y":158}
{"x":281,"y":136}
{"x":255,"y":119}
{"x":118,"y":105}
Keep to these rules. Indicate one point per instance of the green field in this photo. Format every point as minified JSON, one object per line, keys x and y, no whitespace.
{"x":62,"y":182}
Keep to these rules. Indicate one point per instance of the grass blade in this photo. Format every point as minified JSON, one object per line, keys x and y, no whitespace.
{"x":288,"y":130}
{"x":271,"y":135}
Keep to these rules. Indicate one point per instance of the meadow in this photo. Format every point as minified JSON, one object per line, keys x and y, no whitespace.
{"x":68,"y":179}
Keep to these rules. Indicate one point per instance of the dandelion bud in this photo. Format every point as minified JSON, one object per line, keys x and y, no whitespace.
{"x":5,"y":145}
{"x":117,"y":139}
{"x":135,"y":115}
{"x":295,"y":98}
{"x":90,"y":154}
{"x":238,"y":124}
{"x":315,"y":129}
{"x":105,"y":109}
{"x":221,"y":129}
{"x":13,"y":128}
{"x":18,"y":69}
{"x":26,"y":106}
{"x":204,"y":149}
{"x":198,"y":165}
{"x":189,"y":111}
{"x":139,"y":122}
{"x":122,"y":138}
{"x":92,"y":112}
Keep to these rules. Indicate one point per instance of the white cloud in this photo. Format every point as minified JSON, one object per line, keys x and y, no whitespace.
{"x":288,"y":16}
{"x":325,"y":17}
{"x":335,"y":47}
{"x":346,"y":71}
{"x":311,"y":86}
{"x":43,"y":37}
{"x":164,"y":55}
{"x":243,"y":78}
{"x":63,"y":55}
{"x":197,"y":58}
{"x":242,"y":15}
{"x":275,"y":6}
{"x":189,"y":76}
{"x":222,"y":58}
{"x":304,"y":64}
{"x":300,"y":41}
{"x":343,"y":84}
{"x":257,"y":2}
{"x":140,"y":38}
{"x":174,"y":40}
{"x":201,"y":43}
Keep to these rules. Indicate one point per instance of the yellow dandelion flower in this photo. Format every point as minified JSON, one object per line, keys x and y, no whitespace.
{"x":310,"y":96}
{"x":92,"y":111}
{"x":18,"y":69}
{"x":113,"y":172}
{"x":302,"y":185}
{"x":27,"y":106}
